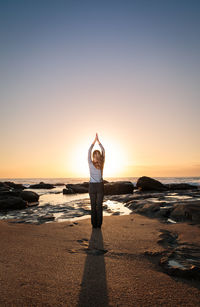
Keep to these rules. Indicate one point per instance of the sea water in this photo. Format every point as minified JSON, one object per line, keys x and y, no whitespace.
{"x":61,"y":207}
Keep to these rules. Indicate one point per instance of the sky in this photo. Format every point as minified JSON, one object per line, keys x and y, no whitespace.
{"x":128,"y":70}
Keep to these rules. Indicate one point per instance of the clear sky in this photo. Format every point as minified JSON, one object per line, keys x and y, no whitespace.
{"x":128,"y":70}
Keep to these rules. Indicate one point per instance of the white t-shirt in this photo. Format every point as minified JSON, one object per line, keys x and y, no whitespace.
{"x":96,"y":175}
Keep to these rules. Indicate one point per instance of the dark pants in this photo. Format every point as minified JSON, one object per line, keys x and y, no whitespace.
{"x":96,"y":192}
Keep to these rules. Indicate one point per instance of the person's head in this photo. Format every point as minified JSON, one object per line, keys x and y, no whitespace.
{"x":97,"y":159}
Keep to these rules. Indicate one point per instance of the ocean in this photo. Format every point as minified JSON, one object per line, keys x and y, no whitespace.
{"x":28,"y":181}
{"x":58,"y":207}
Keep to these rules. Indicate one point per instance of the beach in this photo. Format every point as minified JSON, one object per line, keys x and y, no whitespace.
{"x":99,"y":117}
{"x":69,"y":264}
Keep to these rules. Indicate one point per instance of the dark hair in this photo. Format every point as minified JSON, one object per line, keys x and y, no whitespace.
{"x":100,"y":163}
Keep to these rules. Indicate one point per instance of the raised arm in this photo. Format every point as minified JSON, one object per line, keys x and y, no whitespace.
{"x":89,"y":153}
{"x":103,"y":150}
{"x":90,"y":150}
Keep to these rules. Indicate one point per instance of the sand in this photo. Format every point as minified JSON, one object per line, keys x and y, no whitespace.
{"x":50,"y":264}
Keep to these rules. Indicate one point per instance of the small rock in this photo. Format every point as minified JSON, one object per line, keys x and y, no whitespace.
{"x":180,"y":186}
{"x":45,"y":218}
{"x":41,"y":185}
{"x":68,"y":191}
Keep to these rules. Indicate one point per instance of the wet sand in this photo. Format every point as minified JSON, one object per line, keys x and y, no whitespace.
{"x":66,"y":264}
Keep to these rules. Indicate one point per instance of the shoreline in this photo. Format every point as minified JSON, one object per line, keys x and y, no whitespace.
{"x":149,"y":203}
{"x":66,"y":264}
{"x":43,"y":202}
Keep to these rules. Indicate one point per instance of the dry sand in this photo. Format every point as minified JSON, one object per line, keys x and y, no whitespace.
{"x":48,"y":264}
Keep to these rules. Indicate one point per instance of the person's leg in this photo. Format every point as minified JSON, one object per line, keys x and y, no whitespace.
{"x":93,"y":198}
{"x":93,"y":201}
{"x":99,"y":201}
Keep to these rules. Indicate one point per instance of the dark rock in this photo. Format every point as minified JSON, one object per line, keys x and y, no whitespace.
{"x":110,"y":188}
{"x":180,"y":186}
{"x":164,"y":212}
{"x":168,"y":239}
{"x":45,"y":218}
{"x":179,"y":259}
{"x":77,"y":187}
{"x":133,"y":205}
{"x":118,"y":187}
{"x":147,"y":184}
{"x":183,"y":261}
{"x":137,"y":195}
{"x":13,"y":185}
{"x":4,"y":186}
{"x":68,"y":191}
{"x":30,"y":196}
{"x":116,"y":213}
{"x":12,"y":202}
{"x":10,"y":193}
{"x":41,"y":185}
{"x":4,"y":190}
{"x":187,"y":211}
{"x":148,"y":209}
{"x":85,"y":184}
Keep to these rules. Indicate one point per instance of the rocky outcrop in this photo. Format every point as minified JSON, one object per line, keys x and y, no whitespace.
{"x":12,"y":203}
{"x":4,"y":187}
{"x":188,"y":211}
{"x":118,"y":187}
{"x":145,"y":183}
{"x":17,"y":199}
{"x":149,"y":184}
{"x":184,"y":261}
{"x":68,"y":191}
{"x":11,"y":185}
{"x":179,"y":259}
{"x":164,"y":205}
{"x":76,"y":188}
{"x":42,"y":185}
{"x":6,"y":193}
{"x":30,"y":196}
{"x":110,"y":188}
{"x":150,"y":209}
{"x":180,"y":186}
{"x":179,"y":212}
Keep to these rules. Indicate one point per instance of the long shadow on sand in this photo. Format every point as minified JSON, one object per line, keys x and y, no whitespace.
{"x":94,"y":286}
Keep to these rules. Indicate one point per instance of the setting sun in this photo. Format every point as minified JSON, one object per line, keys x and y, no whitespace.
{"x":99,"y":69}
{"x":114,"y":158}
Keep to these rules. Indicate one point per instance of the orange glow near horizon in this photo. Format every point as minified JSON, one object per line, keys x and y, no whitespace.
{"x":126,"y":71}
{"x":114,"y":159}
{"x":63,"y":161}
